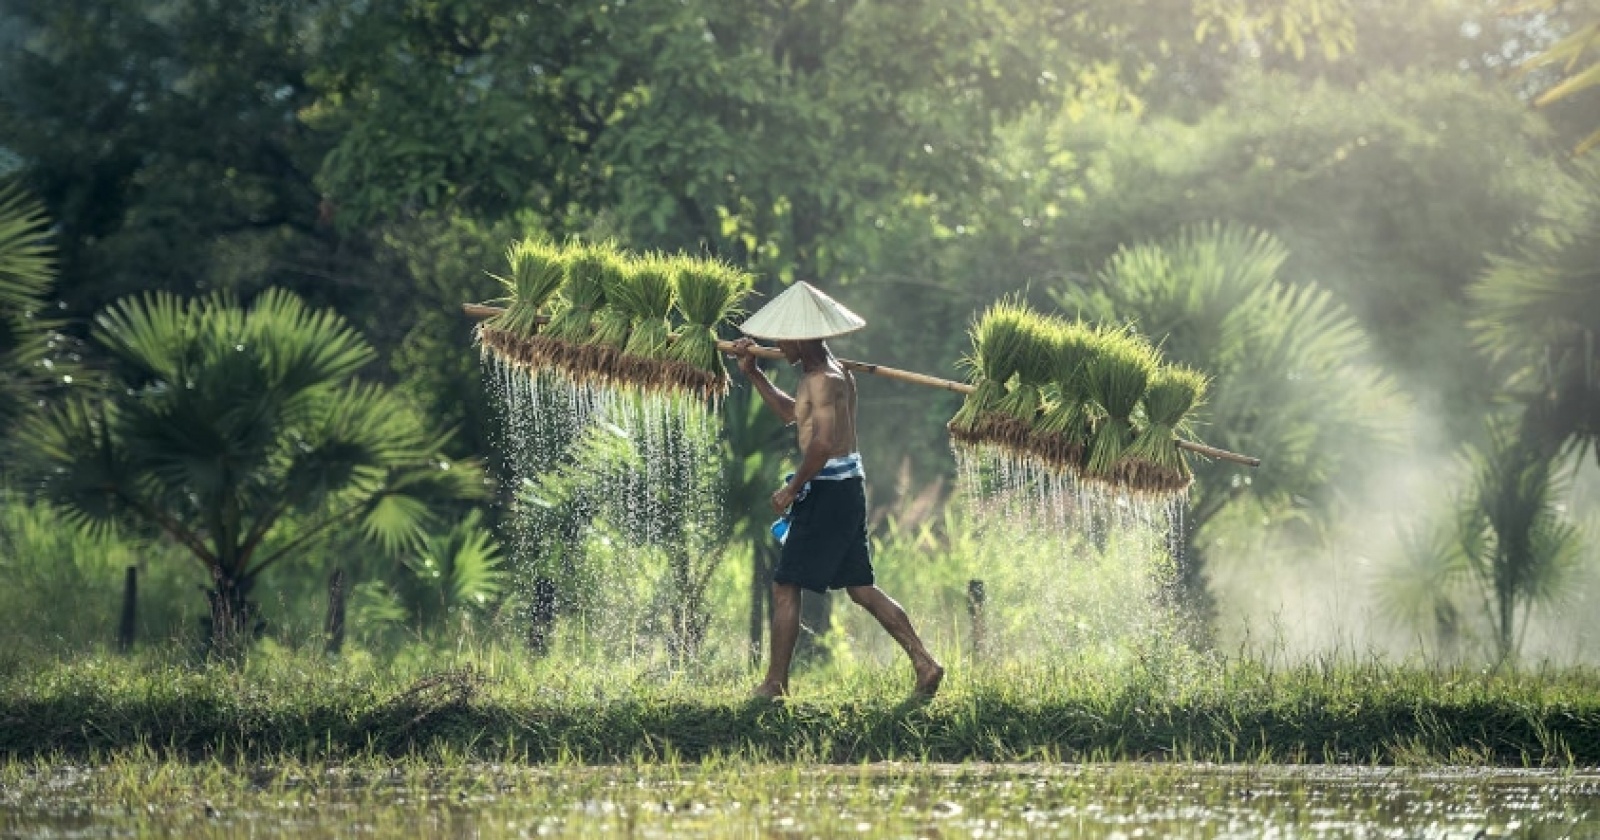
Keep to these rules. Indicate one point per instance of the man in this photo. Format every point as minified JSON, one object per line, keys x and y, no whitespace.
{"x":824,"y":501}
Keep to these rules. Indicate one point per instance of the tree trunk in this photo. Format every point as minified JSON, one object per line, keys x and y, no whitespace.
{"x":234,"y":620}
{"x":334,"y":627}
{"x":542,"y":614}
{"x":130,"y":610}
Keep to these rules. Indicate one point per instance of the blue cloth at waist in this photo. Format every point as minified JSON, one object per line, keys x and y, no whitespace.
{"x":837,"y":469}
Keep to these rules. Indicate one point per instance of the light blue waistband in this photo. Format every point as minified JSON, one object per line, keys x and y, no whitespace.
{"x":842,"y":467}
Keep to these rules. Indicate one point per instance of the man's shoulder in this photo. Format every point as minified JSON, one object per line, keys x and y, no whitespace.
{"x":826,"y":379}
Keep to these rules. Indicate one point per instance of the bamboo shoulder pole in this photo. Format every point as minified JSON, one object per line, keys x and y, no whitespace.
{"x":481,"y":312}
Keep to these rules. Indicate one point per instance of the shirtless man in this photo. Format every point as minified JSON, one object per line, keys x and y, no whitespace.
{"x":826,"y":546}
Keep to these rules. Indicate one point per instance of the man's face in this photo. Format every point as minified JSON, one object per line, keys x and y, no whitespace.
{"x":791,"y":351}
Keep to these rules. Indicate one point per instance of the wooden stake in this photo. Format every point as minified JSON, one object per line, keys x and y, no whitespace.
{"x":975,"y":608}
{"x":333,"y":627}
{"x":480,"y":312}
{"x":130,"y":610}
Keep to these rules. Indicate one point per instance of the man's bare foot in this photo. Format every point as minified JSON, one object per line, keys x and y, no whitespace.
{"x":928,"y":678}
{"x":770,"y":691}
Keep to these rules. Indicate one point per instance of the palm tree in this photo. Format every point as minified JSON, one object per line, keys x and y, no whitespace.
{"x":453,"y":572}
{"x":1537,"y":315}
{"x":27,"y":268}
{"x":1514,"y":540}
{"x":1290,"y":383}
{"x":241,"y":435}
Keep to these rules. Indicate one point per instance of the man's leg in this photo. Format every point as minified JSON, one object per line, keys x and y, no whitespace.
{"x":785,"y":632}
{"x":894,"y":619}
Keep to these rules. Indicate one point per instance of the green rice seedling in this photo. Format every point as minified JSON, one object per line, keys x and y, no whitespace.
{"x":708,"y":293}
{"x":537,"y":272}
{"x":1000,"y":338}
{"x":1117,"y":377}
{"x":591,"y":269}
{"x":646,"y":294}
{"x":600,"y":359}
{"x":1174,"y":392}
{"x":1011,"y":423}
{"x":583,"y":292}
{"x":1061,"y":435}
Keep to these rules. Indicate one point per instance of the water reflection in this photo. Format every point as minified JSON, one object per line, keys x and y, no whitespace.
{"x":741,"y":800}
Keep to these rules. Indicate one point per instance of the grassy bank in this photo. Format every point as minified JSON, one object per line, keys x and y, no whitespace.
{"x":495,"y":705}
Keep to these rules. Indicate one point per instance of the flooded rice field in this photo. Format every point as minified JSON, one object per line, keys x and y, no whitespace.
{"x":154,"y":798}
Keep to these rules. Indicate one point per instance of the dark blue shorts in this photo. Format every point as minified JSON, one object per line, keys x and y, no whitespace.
{"x":827,"y":545}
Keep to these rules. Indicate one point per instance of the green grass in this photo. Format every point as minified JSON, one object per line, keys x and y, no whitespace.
{"x":495,"y":704}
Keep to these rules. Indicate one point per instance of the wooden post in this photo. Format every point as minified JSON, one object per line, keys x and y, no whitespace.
{"x":975,"y":601}
{"x":541,"y":621}
{"x":130,"y":610}
{"x":334,"y":628}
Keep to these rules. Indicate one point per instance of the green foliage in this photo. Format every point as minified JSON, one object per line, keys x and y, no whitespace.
{"x":1509,"y":546}
{"x":226,"y":421}
{"x":194,"y":171}
{"x":1536,"y":314}
{"x":47,"y":559}
{"x":1215,"y":299}
{"x":1575,"y":56}
{"x":440,"y":259}
{"x":27,"y":269}
{"x":1324,"y":169}
{"x":452,"y":574}
{"x":1515,"y":541}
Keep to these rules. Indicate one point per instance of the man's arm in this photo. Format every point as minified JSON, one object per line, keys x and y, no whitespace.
{"x":781,"y":404}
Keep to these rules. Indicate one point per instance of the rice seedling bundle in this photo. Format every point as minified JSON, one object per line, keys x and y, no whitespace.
{"x":1061,"y":435}
{"x":1174,"y":392}
{"x":646,"y":295}
{"x":1011,"y":422}
{"x":999,"y":340}
{"x":537,"y":270}
{"x":585,"y":355}
{"x":708,"y":293}
{"x":1117,"y":376}
{"x":583,"y":292}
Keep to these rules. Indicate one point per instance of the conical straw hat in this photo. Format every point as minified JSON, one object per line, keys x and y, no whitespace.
{"x":801,"y":313}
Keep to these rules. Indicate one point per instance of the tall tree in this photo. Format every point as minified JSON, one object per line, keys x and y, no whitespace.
{"x":224,"y":423}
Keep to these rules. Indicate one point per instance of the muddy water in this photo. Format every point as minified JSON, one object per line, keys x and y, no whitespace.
{"x":743,"y":800}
